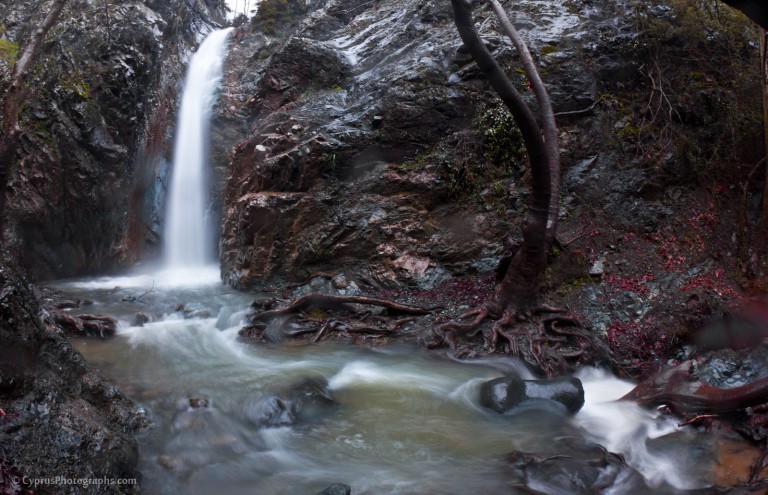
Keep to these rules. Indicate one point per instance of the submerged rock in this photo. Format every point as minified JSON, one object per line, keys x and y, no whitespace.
{"x":577,"y":470}
{"x":507,"y":393}
{"x":306,"y":400}
{"x":336,"y":489}
{"x":193,"y":311}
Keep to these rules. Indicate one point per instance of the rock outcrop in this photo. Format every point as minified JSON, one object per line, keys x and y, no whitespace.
{"x":374,"y":140}
{"x":337,"y":111}
{"x":86,"y":192}
{"x":58,"y":418}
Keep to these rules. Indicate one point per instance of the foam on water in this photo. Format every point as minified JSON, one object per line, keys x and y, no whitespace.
{"x":625,"y":427}
{"x":401,"y":376}
{"x":169,"y":278}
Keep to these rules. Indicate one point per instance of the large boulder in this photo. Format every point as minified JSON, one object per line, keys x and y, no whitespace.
{"x":508,"y":393}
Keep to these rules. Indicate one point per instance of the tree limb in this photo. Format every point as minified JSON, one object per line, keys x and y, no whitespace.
{"x":13,"y":98}
{"x":546,"y":113}
{"x":329,"y":301}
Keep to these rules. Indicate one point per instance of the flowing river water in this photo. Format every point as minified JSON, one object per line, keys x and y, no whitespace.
{"x":407,"y":421}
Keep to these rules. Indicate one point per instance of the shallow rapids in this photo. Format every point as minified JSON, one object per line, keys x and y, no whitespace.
{"x":408,"y":421}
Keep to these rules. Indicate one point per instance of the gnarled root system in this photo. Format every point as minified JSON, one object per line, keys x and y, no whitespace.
{"x":317,"y":313}
{"x":544,"y":337}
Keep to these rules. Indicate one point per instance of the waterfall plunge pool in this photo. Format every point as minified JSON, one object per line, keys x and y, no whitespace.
{"x":408,"y":421}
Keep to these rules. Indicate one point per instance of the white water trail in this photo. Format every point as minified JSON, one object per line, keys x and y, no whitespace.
{"x":188,"y":255}
{"x":625,"y":427}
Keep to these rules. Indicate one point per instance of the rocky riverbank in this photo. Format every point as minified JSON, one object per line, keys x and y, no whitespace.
{"x":62,"y":426}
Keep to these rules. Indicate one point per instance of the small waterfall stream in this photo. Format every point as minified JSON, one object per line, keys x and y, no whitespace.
{"x":188,"y":242}
{"x":407,"y":422}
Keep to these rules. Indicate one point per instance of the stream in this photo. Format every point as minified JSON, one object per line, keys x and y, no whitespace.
{"x":408,"y":421}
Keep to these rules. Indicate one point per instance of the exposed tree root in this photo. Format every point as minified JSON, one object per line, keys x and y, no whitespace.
{"x":678,"y":389}
{"x":757,"y":469}
{"x":468,"y":329}
{"x":697,"y":418}
{"x":552,"y":345}
{"x":85,"y":325}
{"x":272,"y":325}
{"x":317,"y":300}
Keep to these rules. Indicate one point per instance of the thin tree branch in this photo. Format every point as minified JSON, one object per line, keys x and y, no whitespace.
{"x":546,"y":114}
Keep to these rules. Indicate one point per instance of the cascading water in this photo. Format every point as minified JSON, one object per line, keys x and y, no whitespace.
{"x":187,"y":238}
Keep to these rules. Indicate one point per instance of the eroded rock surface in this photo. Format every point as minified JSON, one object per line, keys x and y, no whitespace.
{"x":59,"y":418}
{"x":362,"y":129}
{"x":87,"y":190}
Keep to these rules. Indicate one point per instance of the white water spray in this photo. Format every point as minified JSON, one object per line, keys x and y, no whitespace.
{"x":187,"y":239}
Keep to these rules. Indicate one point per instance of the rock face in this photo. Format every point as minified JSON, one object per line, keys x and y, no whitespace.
{"x":371,"y":137}
{"x":337,"y":489}
{"x":508,"y":393}
{"x":59,"y":417}
{"x":86,"y":191}
{"x":337,"y":109}
{"x":365,"y":126}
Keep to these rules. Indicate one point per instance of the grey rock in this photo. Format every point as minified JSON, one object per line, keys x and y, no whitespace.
{"x":508,"y":393}
{"x":336,"y":489}
{"x":60,"y":415}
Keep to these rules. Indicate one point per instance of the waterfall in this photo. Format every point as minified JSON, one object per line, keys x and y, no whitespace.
{"x":188,"y":242}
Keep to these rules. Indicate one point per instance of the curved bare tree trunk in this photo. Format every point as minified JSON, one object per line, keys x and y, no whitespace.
{"x":14,"y":97}
{"x":763,"y":225}
{"x":518,"y":293}
{"x":546,"y":114}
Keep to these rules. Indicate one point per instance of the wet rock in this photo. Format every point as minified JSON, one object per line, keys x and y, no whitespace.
{"x":66,"y":304}
{"x":103,"y":112}
{"x":277,"y":330}
{"x":60,"y":416}
{"x":306,"y":400}
{"x":303,"y":63}
{"x":192,"y":311}
{"x":505,"y":394}
{"x":198,"y":403}
{"x":139,"y":319}
{"x":727,"y":368}
{"x":336,"y":489}
{"x":311,"y":398}
{"x":273,"y":411}
{"x":169,"y":462}
{"x":578,"y":470}
{"x":353,"y":125}
{"x":340,"y":281}
{"x":597,"y":269}
{"x":361,"y":182}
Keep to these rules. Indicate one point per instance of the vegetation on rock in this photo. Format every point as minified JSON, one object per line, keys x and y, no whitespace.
{"x":275,"y":15}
